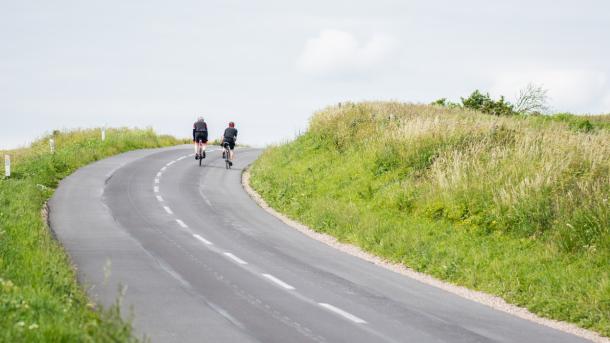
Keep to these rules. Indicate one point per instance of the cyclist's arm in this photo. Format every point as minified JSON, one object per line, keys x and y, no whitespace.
{"x":193,"y":132}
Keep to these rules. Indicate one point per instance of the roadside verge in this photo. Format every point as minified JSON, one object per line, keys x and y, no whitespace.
{"x":40,"y":298}
{"x":479,"y":297}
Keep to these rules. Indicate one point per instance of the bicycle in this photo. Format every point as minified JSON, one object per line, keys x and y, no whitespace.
{"x":226,"y":154}
{"x":200,"y":151}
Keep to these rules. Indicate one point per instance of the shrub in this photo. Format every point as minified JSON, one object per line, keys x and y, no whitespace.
{"x":484,"y":103}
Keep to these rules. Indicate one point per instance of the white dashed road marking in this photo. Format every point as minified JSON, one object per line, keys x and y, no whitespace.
{"x":278,"y":281}
{"x":205,"y":241}
{"x":238,"y":260}
{"x":235,"y":258}
{"x":342,"y":313}
{"x":207,"y":201}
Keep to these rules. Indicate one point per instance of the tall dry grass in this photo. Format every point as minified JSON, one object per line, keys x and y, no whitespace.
{"x":515,"y":174}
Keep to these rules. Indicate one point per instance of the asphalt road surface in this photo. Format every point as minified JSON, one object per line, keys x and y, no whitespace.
{"x":196,"y":260}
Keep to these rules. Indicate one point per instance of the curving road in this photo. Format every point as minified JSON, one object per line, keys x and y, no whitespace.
{"x":198,"y":261}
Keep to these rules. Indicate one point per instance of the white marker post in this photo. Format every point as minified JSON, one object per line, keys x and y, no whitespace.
{"x":52,"y":145}
{"x":103,"y":134}
{"x":7,"y":165}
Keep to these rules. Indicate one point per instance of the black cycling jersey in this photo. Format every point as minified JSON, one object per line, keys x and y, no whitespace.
{"x":230,"y":134}
{"x":199,"y":129}
{"x":200,"y":126}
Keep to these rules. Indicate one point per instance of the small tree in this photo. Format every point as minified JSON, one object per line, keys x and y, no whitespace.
{"x":532,"y":99}
{"x":484,"y":103}
{"x":476,"y":101}
{"x":440,"y":102}
{"x":499,"y":108}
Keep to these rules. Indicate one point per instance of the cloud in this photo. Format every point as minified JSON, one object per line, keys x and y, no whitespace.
{"x":339,"y":52}
{"x":569,"y":90}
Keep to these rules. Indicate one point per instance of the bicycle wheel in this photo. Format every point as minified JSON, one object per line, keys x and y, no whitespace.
{"x":200,"y":153}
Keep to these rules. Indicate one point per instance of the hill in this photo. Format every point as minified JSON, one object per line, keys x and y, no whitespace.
{"x":516,"y":206}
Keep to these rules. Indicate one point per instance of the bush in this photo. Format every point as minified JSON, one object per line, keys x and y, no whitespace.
{"x":484,"y":103}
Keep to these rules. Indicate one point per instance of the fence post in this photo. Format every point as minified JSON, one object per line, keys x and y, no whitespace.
{"x":7,"y":165}
{"x":103,"y":133}
{"x":52,"y":145}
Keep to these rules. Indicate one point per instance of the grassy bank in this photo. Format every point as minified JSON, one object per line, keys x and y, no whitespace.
{"x":513,"y":206}
{"x":40,"y":300}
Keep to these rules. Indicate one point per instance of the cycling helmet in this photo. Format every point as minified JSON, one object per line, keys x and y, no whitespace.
{"x":200,"y":118}
{"x":231,"y":124}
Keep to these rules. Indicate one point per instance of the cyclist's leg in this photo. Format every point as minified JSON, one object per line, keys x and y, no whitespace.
{"x":232,"y":151}
{"x":204,"y":143}
{"x":197,"y":148}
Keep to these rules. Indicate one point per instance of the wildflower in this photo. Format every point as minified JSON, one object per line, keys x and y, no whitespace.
{"x":7,"y":285}
{"x":33,"y":326}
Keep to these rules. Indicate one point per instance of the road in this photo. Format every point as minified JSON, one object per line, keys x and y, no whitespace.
{"x":194,"y":259}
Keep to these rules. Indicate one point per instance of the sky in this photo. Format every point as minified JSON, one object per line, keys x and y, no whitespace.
{"x":268,"y":65}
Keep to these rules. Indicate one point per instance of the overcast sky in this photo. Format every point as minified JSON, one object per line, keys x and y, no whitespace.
{"x":268,"y":65}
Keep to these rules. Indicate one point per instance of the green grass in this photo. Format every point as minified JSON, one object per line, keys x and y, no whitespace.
{"x":513,"y":206}
{"x":40,"y":299}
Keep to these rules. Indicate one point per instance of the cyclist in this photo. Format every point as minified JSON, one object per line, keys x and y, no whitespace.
{"x":200,"y":136}
{"x":229,"y":138}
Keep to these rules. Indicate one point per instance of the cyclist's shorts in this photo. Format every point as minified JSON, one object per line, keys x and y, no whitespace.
{"x":230,"y":144}
{"x":201,"y":136}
